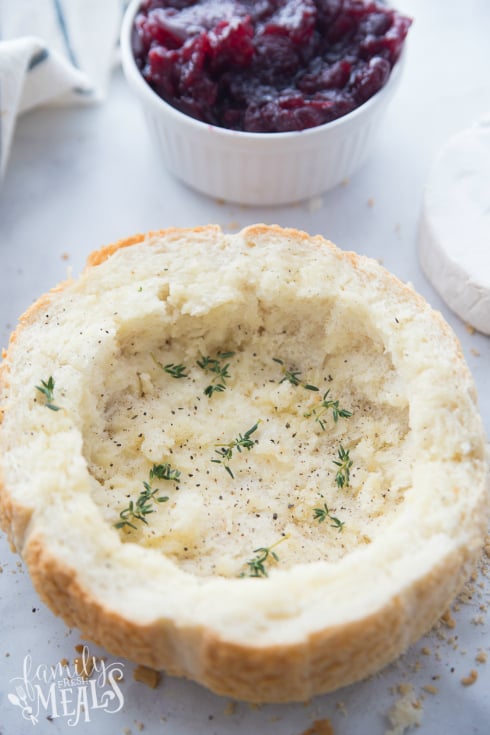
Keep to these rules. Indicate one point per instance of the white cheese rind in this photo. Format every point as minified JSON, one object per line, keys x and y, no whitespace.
{"x":454,"y":237}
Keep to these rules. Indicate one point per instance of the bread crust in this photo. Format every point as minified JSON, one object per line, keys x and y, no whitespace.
{"x":320,"y":658}
{"x":328,"y":660}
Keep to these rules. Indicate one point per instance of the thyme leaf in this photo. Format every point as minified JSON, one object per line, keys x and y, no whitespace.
{"x":293,"y":376}
{"x":256,"y":566}
{"x":215,"y":365}
{"x":225,"y":451}
{"x":164,"y":472}
{"x":344,"y":463}
{"x":321,"y":515}
{"x":47,"y":389}
{"x":175,"y":371}
{"x":143,"y":506}
{"x":326,"y":404}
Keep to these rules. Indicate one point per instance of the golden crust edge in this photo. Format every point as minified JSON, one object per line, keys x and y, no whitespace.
{"x":325,"y":661}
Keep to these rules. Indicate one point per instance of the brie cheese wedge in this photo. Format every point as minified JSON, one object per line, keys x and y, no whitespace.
{"x":454,"y":238}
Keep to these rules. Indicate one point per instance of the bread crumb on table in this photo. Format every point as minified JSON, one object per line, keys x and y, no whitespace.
{"x":147,"y":676}
{"x":407,"y":711}
{"x":340,"y":706}
{"x":467,"y":681}
{"x":448,"y":620}
{"x":320,"y":727}
{"x":404,"y":688}
{"x":478,"y":620}
{"x":230,"y":709}
{"x":481,"y":657}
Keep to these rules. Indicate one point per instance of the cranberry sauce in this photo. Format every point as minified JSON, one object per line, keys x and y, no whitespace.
{"x":267,"y":65}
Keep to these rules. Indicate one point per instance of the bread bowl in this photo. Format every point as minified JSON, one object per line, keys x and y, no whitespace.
{"x":253,"y":460}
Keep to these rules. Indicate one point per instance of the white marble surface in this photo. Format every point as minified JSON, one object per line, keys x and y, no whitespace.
{"x":79,"y":178}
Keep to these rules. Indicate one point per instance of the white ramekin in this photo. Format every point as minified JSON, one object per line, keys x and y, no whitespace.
{"x":255,"y":168}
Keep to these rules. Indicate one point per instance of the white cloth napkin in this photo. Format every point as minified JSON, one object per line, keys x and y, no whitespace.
{"x":54,"y":52}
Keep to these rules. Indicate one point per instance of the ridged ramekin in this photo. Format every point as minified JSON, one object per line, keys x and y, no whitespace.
{"x":256,"y":168}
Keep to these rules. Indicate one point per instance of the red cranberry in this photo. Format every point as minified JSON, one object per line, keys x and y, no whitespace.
{"x":267,"y":65}
{"x":295,"y":19}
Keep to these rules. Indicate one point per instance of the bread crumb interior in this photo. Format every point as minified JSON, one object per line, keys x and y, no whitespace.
{"x":212,"y":523}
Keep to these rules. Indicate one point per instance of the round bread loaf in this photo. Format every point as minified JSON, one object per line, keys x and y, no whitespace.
{"x":253,"y":460}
